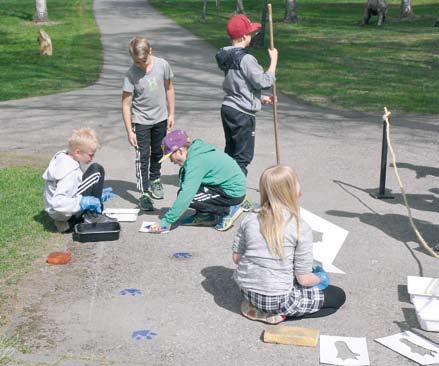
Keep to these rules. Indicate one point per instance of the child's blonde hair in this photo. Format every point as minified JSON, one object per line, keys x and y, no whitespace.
{"x":139,"y":49}
{"x":84,"y":139}
{"x":279,"y":190}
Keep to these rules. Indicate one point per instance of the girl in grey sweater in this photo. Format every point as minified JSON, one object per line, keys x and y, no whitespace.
{"x":273,"y":251}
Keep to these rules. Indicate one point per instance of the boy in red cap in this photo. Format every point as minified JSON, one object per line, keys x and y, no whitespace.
{"x":243,"y":82}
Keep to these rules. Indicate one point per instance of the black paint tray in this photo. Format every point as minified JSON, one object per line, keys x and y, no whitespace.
{"x":105,"y":231}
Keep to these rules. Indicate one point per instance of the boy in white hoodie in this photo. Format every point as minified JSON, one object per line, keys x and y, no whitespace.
{"x":71,"y":195}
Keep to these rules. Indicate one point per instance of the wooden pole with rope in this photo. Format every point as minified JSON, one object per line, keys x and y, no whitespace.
{"x":276,"y":119}
{"x":424,"y":244}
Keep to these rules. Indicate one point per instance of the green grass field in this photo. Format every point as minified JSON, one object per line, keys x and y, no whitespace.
{"x":77,"y":50}
{"x":25,"y":229}
{"x":331,"y":59}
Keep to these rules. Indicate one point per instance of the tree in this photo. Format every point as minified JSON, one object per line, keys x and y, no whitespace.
{"x":239,"y":7}
{"x":41,"y":15}
{"x":290,"y":12}
{"x":406,"y":9}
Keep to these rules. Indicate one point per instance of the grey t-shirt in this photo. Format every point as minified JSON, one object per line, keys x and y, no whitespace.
{"x":258,"y":270}
{"x":149,"y":104}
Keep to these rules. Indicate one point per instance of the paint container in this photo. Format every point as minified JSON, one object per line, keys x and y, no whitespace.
{"x":427,"y":311}
{"x":122,"y":214}
{"x":106,"y":231}
{"x":422,"y":287}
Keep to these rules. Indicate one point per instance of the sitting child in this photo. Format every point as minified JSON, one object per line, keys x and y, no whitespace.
{"x":274,"y":253}
{"x":71,"y":196}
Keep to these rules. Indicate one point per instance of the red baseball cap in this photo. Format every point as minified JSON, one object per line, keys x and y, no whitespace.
{"x":240,"y":25}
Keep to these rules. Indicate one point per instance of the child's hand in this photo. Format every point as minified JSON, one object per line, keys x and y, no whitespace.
{"x":265,"y":99}
{"x":90,"y":203}
{"x":324,"y":278}
{"x":273,"y":54}
{"x":236,"y":257}
{"x":157,"y":229}
{"x":107,"y":194}
{"x":171,"y":122}
{"x":132,"y":139}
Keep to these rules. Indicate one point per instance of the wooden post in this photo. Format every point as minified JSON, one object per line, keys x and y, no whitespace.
{"x":276,"y":120}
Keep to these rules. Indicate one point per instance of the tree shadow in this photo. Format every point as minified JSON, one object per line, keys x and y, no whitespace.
{"x":421,"y":170}
{"x":45,"y":220}
{"x":219,"y":282}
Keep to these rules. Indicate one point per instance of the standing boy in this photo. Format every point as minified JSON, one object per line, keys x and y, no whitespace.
{"x":71,"y":196}
{"x":210,"y":182}
{"x":148,"y":108}
{"x":243,"y":82}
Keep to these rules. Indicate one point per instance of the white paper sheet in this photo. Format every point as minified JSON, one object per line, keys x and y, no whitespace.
{"x":144,"y":228}
{"x":346,"y":351}
{"x":413,"y":347}
{"x":333,"y":238}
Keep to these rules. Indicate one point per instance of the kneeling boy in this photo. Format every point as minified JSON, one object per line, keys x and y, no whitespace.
{"x":211,"y":182}
{"x":71,"y":196}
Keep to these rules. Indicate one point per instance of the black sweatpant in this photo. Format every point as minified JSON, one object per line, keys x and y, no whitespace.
{"x":239,"y":131}
{"x":335,"y":297}
{"x":213,"y":200}
{"x":92,"y":185}
{"x":149,"y":153}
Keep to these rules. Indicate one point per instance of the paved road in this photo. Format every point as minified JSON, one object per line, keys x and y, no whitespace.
{"x":75,"y":315}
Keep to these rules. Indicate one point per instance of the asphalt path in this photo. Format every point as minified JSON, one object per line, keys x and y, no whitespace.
{"x":76,"y":314}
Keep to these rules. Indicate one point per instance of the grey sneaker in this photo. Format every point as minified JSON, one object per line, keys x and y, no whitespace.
{"x":157,"y":189}
{"x":96,"y":218}
{"x":146,"y":202}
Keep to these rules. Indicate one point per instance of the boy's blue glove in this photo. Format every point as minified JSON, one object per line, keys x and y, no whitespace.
{"x":107,"y":194}
{"x":90,"y":203}
{"x":324,"y":278}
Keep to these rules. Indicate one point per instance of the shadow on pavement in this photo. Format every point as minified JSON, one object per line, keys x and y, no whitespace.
{"x":421,"y":170}
{"x":219,"y":282}
{"x":44,"y":220}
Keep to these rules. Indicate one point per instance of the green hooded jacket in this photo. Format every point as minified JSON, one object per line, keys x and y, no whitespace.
{"x":205,"y":165}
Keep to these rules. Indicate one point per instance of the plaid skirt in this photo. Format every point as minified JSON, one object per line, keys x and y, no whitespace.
{"x":301,"y":300}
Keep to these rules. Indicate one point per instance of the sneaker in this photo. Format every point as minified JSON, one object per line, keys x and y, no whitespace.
{"x":200,"y":219}
{"x":250,"y":312}
{"x":246,"y":205}
{"x":226,"y":222}
{"x":62,"y":226}
{"x":146,"y":202}
{"x":157,"y":190}
{"x":96,"y":218}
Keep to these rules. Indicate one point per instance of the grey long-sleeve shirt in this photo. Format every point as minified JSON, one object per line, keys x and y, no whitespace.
{"x":244,"y":79}
{"x":258,"y":270}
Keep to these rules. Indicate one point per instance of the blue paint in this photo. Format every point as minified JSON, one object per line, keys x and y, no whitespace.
{"x":131,"y":291}
{"x":182,"y":255}
{"x":145,"y":334}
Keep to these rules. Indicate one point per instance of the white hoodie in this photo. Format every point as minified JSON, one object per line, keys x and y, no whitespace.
{"x":63,"y":177}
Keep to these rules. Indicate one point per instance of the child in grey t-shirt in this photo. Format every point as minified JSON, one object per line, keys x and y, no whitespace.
{"x":148,"y":109}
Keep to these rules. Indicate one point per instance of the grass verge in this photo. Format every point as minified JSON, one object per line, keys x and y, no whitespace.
{"x":331,"y":59}
{"x":25,"y":228}
{"x":77,"y":50}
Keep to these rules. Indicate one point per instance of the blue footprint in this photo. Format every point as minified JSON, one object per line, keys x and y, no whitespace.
{"x":131,"y":291}
{"x":182,"y":255}
{"x":146,"y":334}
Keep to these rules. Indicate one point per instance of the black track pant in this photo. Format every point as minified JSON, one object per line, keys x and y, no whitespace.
{"x":92,"y":185}
{"x":149,"y":153}
{"x":213,"y":200}
{"x":239,"y":131}
{"x":335,"y":297}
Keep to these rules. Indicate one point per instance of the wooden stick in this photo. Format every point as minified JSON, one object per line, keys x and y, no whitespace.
{"x":276,"y":120}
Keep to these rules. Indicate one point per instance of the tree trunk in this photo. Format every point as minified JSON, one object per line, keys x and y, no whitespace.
{"x":239,"y":7}
{"x":406,"y":9}
{"x":41,"y":15}
{"x":290,"y":12}
{"x":203,"y":10}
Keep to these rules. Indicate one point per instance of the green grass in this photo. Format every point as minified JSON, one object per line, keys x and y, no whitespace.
{"x":77,"y":50}
{"x":331,"y":59}
{"x":24,"y":229}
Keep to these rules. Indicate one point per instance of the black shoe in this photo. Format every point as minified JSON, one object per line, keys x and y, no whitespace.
{"x":146,"y":202}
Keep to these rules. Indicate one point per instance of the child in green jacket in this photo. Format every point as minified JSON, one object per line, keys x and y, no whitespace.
{"x":211,"y":182}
